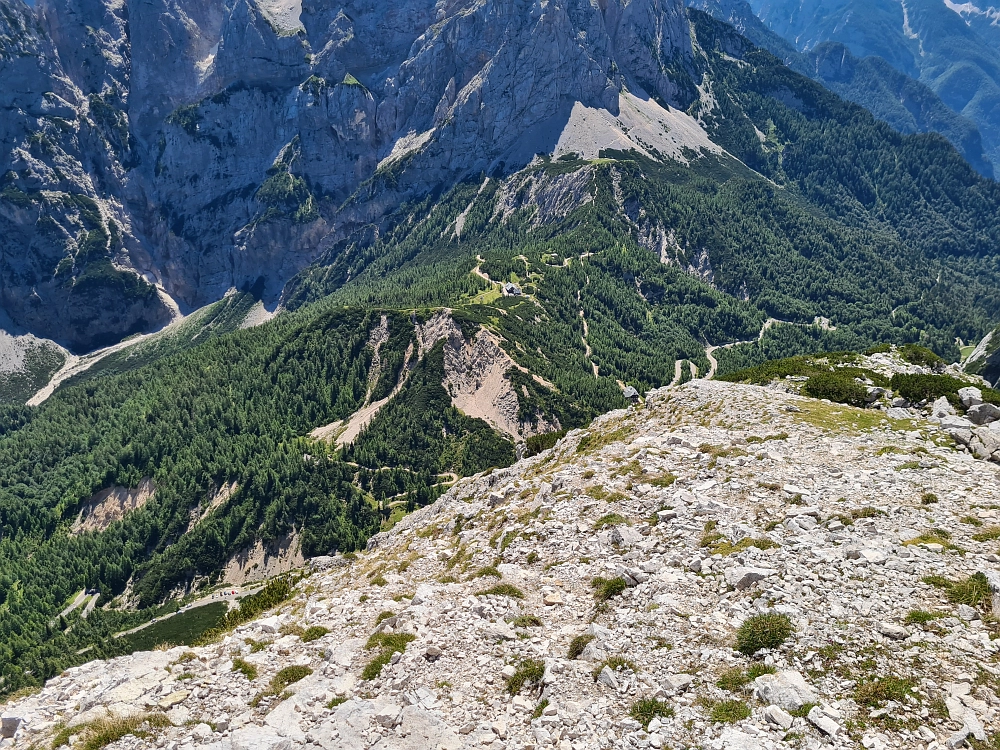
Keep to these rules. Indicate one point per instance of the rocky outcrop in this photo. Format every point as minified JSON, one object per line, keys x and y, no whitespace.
{"x":620,"y":590}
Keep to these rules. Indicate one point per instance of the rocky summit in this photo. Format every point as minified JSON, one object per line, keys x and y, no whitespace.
{"x":722,"y":566}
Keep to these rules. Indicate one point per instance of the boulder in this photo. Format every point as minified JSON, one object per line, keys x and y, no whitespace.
{"x":970,"y":396}
{"x":942,"y":408}
{"x":983,"y":414}
{"x":788,"y":690}
{"x":9,"y":726}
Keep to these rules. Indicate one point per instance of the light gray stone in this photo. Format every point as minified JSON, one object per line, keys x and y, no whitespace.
{"x":823,"y":722}
{"x":787,"y":689}
{"x":742,"y":578}
{"x":970,"y":396}
{"x":891,"y":630}
{"x":778,"y":716}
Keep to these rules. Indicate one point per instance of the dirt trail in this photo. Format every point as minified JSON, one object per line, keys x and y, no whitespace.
{"x":768,"y":324}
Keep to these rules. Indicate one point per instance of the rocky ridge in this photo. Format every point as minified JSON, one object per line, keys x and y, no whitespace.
{"x":592,"y":596}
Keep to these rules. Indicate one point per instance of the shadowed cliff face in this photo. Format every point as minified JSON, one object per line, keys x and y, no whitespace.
{"x":212,"y":145}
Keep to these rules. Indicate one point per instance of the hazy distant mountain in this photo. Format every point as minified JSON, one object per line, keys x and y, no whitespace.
{"x":954,"y":48}
{"x":891,"y":95}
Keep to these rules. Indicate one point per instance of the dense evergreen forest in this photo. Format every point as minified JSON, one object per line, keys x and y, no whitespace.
{"x":820,"y":217}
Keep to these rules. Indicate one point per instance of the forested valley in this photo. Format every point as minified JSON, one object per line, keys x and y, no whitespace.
{"x":819,"y":220}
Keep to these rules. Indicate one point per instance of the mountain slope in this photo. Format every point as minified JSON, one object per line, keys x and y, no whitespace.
{"x":721,"y":567}
{"x":905,"y":103}
{"x":951,"y":47}
{"x":456,"y":328}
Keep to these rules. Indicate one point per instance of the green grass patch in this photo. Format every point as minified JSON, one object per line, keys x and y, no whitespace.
{"x":611,"y":519}
{"x":503,"y":589}
{"x":529,"y":672}
{"x":387,"y":644}
{"x":880,"y":691}
{"x":934,"y":536}
{"x":245,"y":668}
{"x":527,"y":621}
{"x":315,"y":632}
{"x":729,"y":712}
{"x":488,"y":571}
{"x":767,"y":631}
{"x":644,"y":710}
{"x":920,"y":616}
{"x":989,"y":534}
{"x":101,"y":733}
{"x":614,"y":663}
{"x":577,"y":645}
{"x":607,"y":588}
{"x":284,"y":678}
{"x":735,"y":680}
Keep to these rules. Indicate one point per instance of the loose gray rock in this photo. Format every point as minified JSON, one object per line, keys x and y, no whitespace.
{"x":787,"y":689}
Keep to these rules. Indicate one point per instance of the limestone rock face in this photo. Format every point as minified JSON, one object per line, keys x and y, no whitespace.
{"x":227,"y":145}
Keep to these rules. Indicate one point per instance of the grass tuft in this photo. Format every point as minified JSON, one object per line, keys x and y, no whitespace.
{"x":529,"y":672}
{"x":527,"y":621}
{"x":730,"y":712}
{"x":503,"y":589}
{"x":577,"y":645}
{"x":245,"y":668}
{"x":608,"y":588}
{"x":614,"y":663}
{"x":763,"y":631}
{"x":880,"y":691}
{"x":314,"y":633}
{"x":644,"y":710}
{"x":387,"y":645}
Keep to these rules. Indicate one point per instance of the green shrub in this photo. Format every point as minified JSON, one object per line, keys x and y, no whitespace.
{"x":529,"y":672}
{"x":608,"y":588}
{"x":928,"y":498}
{"x":274,"y":593}
{"x":763,"y":631}
{"x":917,"y":388}
{"x":247,"y":669}
{"x":334,"y":702}
{"x":532,"y":558}
{"x":644,"y":710}
{"x":577,"y":645}
{"x":488,"y":570}
{"x":503,"y":589}
{"x":538,"y":443}
{"x":730,"y":712}
{"x":314,"y":633}
{"x":837,"y":387}
{"x":921,"y":356}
